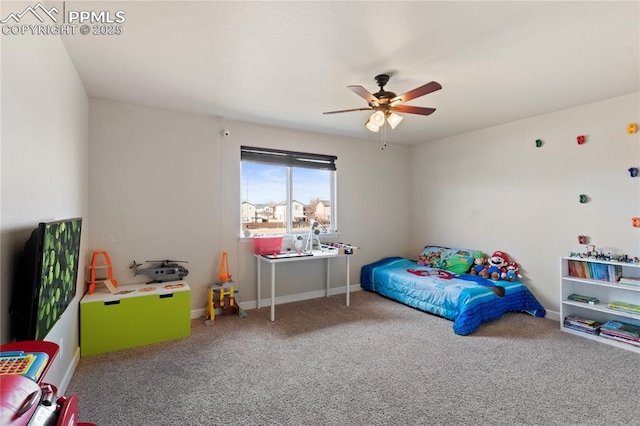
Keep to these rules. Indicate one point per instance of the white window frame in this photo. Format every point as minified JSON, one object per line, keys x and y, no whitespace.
{"x":293,"y":159}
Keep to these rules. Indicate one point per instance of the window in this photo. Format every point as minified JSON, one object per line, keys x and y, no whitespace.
{"x":286,"y":191}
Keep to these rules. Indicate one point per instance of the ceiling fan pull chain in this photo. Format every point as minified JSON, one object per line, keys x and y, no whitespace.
{"x":383,"y":135}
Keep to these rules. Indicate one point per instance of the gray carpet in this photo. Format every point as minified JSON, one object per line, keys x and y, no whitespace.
{"x":374,"y":363}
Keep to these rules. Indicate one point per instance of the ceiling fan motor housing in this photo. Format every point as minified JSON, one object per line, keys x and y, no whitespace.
{"x":382,"y":95}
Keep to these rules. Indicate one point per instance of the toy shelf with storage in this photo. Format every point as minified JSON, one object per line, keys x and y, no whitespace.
{"x":135,"y":315}
{"x":606,"y":292}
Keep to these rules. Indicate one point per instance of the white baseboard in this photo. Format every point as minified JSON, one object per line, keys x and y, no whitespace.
{"x":553,"y":315}
{"x":265,"y":302}
{"x":62,"y":389}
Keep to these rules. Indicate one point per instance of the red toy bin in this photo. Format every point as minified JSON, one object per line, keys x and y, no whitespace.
{"x":267,"y":244}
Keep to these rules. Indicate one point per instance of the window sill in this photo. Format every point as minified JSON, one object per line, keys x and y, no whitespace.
{"x":329,"y":234}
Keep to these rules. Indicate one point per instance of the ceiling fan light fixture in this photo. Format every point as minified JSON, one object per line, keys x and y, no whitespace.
{"x":371,"y":126}
{"x":395,"y":102}
{"x":377,"y":118}
{"x":393,"y":119}
{"x":375,"y":121}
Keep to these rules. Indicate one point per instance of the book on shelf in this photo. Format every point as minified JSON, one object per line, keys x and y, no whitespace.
{"x":621,"y":328}
{"x":615,"y":272}
{"x":629,"y":280}
{"x":594,"y":270}
{"x":593,"y":331}
{"x":583,"y":299}
{"x":582,"y":324}
{"x":625,"y":307}
{"x":620,"y":335}
{"x":621,"y":339}
{"x":582,"y":321}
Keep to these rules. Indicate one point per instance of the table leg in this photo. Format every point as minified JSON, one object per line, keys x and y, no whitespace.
{"x":273,"y":292}
{"x":258,"y":280}
{"x":348,"y":279}
{"x":328,"y":274}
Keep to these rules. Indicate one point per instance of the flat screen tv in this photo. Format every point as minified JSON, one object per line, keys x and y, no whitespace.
{"x":45,"y":282}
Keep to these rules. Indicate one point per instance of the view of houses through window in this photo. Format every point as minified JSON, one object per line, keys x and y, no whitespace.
{"x":279,"y":199}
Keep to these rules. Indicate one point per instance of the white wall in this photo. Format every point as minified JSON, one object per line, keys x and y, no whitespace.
{"x":495,"y":190}
{"x":166,"y":185}
{"x":44,"y":167}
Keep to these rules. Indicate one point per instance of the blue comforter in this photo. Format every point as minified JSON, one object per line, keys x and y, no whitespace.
{"x":467,"y":300}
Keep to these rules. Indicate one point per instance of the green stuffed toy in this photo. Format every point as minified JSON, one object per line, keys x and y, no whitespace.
{"x":480,"y":264}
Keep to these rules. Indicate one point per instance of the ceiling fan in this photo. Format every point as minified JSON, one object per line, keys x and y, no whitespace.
{"x":385,"y":104}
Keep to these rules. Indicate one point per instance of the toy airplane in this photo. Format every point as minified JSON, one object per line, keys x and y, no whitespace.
{"x":163,"y":270}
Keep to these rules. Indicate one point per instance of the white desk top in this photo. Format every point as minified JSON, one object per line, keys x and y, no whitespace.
{"x":294,"y":257}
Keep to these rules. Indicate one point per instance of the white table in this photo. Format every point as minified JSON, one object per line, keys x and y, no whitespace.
{"x":317,"y":255}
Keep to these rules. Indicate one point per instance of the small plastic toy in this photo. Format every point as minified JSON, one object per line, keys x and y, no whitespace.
{"x":162,"y":270}
{"x":222,"y":296}
{"x":633,"y":171}
{"x":224,"y":268}
{"x":632,"y":128}
{"x":109,"y":281}
{"x":581,"y":139}
{"x":592,"y":253}
{"x":583,"y":198}
{"x":635,"y":222}
{"x":583,"y":239}
{"x":538,"y":143}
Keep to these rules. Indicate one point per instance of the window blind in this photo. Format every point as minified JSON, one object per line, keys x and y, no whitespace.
{"x":288,"y":158}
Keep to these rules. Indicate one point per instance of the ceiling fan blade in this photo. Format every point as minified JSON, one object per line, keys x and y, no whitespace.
{"x":347,"y":110}
{"x":417,"y":92}
{"x":413,"y":109}
{"x":364,"y":93}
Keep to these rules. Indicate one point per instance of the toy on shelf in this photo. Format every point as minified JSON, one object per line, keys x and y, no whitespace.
{"x":635,"y":222}
{"x":163,"y":270}
{"x":632,"y":128}
{"x":581,"y":139}
{"x":592,"y":253}
{"x":583,"y":239}
{"x":108,"y":281}
{"x":583,"y":198}
{"x":633,"y":171}
{"x":538,"y":143}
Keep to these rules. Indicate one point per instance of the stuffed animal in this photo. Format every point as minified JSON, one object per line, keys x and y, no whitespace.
{"x":479,"y":263}
{"x":512,"y":271}
{"x":497,"y":265}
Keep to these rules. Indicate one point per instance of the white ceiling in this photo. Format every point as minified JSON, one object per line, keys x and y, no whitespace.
{"x":284,"y":63}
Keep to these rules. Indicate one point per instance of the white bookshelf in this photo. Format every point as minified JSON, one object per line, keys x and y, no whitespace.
{"x":606,"y":292}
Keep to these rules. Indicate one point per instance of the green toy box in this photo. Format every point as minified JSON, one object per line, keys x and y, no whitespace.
{"x":134,"y":315}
